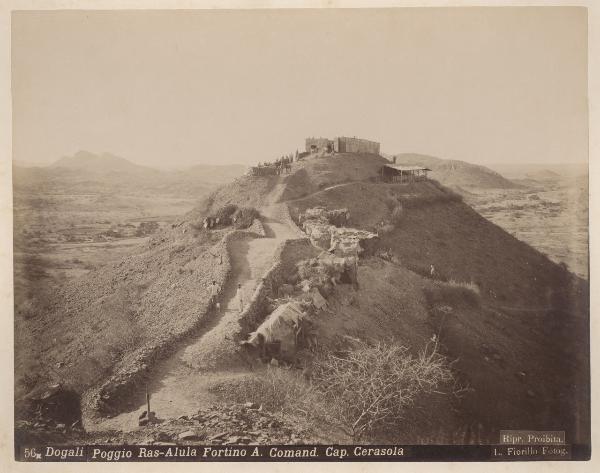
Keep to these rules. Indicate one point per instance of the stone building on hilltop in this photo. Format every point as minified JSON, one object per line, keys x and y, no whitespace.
{"x":342,"y":144}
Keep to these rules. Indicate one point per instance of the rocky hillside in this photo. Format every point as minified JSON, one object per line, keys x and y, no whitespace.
{"x":526,"y":309}
{"x":513,"y":323}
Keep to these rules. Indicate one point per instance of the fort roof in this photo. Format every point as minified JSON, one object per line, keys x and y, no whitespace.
{"x":399,"y":167}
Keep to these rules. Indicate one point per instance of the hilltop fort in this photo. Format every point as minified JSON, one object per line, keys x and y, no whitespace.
{"x":342,"y":144}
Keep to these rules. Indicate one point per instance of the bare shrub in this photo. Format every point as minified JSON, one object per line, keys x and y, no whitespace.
{"x":371,"y":387}
{"x":225,"y":212}
{"x":240,"y":217}
{"x":466,"y":285}
{"x":453,"y":293}
{"x":277,"y":390}
{"x":244,"y":217}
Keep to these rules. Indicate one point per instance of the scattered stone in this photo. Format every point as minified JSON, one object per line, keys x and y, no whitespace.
{"x":188,"y":435}
{"x":274,"y":362}
{"x":218,"y":436}
{"x":251,"y":405}
{"x":183,"y":418}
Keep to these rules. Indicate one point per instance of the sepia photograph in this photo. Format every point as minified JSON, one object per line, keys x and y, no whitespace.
{"x":304,"y":234}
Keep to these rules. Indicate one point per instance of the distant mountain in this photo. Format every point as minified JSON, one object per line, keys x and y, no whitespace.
{"x":456,"y":174}
{"x":87,"y":172}
{"x":84,"y":161}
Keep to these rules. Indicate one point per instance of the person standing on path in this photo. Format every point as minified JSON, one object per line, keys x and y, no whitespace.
{"x":239,"y":297}
{"x":214,"y":293}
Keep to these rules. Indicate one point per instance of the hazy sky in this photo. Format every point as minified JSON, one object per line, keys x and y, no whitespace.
{"x":177,"y":88}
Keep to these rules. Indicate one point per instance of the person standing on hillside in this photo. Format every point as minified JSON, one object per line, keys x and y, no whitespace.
{"x":239,"y":297}
{"x":214,"y":295}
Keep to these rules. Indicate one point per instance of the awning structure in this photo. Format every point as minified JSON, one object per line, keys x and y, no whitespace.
{"x":399,"y":167}
{"x":400,"y":173}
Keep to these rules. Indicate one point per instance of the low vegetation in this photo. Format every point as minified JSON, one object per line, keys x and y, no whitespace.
{"x":453,"y":293}
{"x":277,"y":390}
{"x":370,"y":388}
{"x":239,"y":217}
{"x":365,"y":390}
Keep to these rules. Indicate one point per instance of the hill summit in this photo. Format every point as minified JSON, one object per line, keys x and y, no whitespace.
{"x":437,"y":276}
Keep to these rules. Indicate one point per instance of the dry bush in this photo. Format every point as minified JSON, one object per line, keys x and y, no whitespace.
{"x":278,"y":390}
{"x":225,"y":212}
{"x":453,"y":293}
{"x":371,"y":387}
{"x":245,"y":216}
{"x":466,"y":285}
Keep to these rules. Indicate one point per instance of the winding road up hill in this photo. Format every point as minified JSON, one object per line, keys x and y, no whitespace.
{"x":515,"y":322}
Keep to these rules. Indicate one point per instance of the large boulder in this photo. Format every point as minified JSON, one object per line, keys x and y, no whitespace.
{"x":55,"y":403}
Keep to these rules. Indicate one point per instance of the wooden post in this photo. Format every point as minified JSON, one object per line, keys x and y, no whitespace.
{"x":148,"y":402}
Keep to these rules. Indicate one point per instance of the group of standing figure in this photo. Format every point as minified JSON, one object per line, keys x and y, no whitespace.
{"x":215,"y":290}
{"x":282,"y":164}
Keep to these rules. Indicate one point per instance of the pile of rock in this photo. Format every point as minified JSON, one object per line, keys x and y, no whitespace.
{"x":325,"y":271}
{"x":327,"y":230}
{"x":337,"y":217}
{"x":237,"y":424}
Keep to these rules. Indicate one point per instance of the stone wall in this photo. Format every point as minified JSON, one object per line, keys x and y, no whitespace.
{"x":287,"y":255}
{"x":135,"y":367}
{"x":343,"y":144}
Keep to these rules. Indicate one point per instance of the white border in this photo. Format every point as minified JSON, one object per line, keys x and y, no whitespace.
{"x":6,"y":284}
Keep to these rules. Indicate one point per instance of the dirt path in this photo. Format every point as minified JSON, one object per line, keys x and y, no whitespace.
{"x":181,"y":382}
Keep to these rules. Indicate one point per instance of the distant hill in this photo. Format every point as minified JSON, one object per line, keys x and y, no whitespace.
{"x":543,"y":171}
{"x":105,"y":162}
{"x":87,"y":172}
{"x":456,"y":174}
